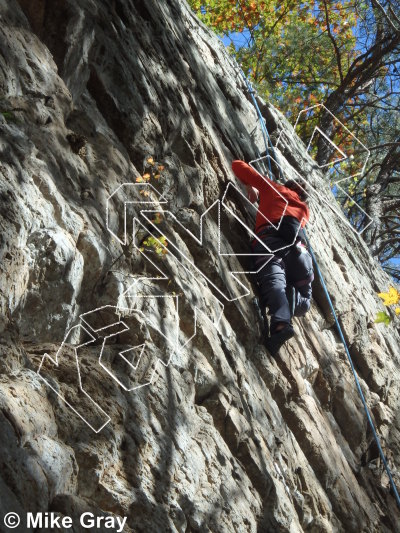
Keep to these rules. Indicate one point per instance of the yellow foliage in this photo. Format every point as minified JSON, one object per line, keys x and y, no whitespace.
{"x":391,"y":297}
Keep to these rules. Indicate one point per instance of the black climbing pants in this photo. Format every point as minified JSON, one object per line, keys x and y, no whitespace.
{"x":289,"y":267}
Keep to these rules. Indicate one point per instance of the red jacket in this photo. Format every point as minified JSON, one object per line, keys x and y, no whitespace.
{"x":275,"y":199}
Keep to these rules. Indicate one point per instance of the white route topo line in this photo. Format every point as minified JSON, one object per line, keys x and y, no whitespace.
{"x":186,"y":262}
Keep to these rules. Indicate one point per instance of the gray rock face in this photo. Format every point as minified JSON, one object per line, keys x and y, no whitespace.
{"x":225,"y":438}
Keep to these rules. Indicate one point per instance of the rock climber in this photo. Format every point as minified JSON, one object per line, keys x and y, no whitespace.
{"x":285,"y":281}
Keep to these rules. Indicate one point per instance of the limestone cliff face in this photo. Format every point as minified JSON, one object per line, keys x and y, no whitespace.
{"x":225,"y":438}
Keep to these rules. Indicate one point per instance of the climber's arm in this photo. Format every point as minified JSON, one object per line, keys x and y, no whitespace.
{"x":247,"y":175}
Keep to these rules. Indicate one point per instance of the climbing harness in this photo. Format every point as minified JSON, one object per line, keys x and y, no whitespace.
{"x":269,"y":147}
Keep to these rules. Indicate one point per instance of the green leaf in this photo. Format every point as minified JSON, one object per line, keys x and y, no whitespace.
{"x":382,"y":317}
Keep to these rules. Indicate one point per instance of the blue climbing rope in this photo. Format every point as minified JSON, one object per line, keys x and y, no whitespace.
{"x":268,"y":147}
{"x":360,"y":392}
{"x":266,"y":137}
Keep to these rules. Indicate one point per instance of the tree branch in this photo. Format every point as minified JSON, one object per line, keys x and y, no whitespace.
{"x":335,"y":46}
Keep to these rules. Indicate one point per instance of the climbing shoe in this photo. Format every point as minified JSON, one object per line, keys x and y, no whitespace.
{"x":278,"y":339}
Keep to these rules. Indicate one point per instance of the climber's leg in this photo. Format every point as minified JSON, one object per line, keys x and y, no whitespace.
{"x":272,"y":284}
{"x":271,"y":280}
{"x":300,"y":274}
{"x":302,"y":300}
{"x":291,"y":297}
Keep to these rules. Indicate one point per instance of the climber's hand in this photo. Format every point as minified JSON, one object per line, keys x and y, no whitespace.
{"x":252,"y":194}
